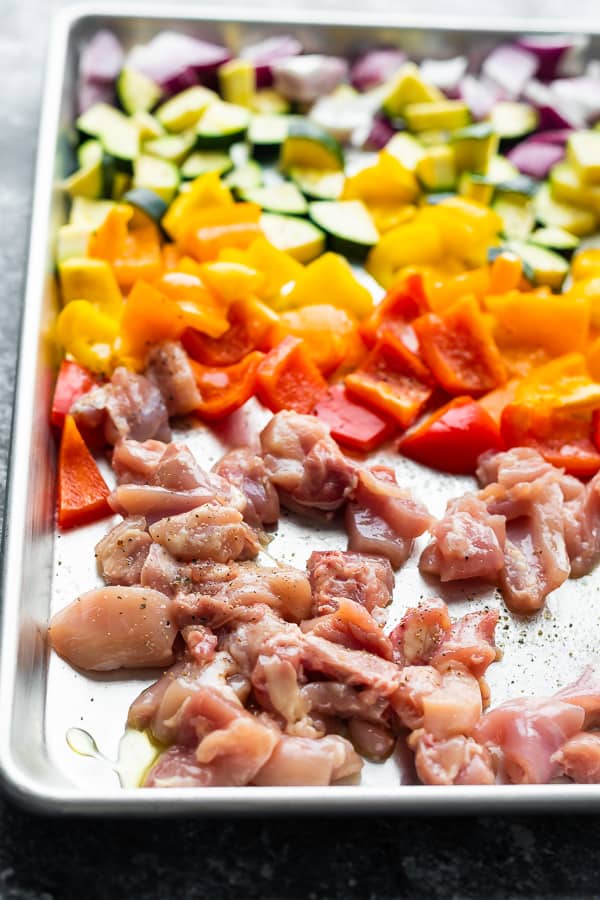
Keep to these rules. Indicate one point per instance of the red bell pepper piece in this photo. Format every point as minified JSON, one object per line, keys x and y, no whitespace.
{"x":351,"y":423}
{"x":393,"y":380}
{"x":73,"y":382}
{"x":253,"y":327}
{"x":453,"y":437}
{"x":82,"y":491}
{"x":224,"y":389}
{"x":287,"y":378}
{"x":401,"y":304}
{"x":565,"y":438}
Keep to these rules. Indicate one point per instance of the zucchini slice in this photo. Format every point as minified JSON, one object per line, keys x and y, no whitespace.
{"x":310,"y":146}
{"x":88,"y":213}
{"x":248,"y":175}
{"x":148,"y":202}
{"x":317,"y":184}
{"x":348,"y":225}
{"x":89,"y":153}
{"x":172,"y":147}
{"x":221,"y":125}
{"x":201,"y":162}
{"x":299,"y":238}
{"x":406,"y":149}
{"x":518,"y":216}
{"x":72,"y":241}
{"x":556,"y":214}
{"x":118,"y":134}
{"x":266,"y":134}
{"x":94,"y":180}
{"x":278,"y":198}
{"x":184,"y":110}
{"x":513,"y":120}
{"x":548,"y":268}
{"x":136,"y":92}
{"x":148,"y":125}
{"x":555,"y":239}
{"x":158,"y":175}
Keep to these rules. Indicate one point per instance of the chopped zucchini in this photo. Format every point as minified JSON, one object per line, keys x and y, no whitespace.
{"x":92,"y":181}
{"x":310,"y":146}
{"x":518,"y":188}
{"x":474,"y":147}
{"x":348,"y":225}
{"x":475,"y":187}
{"x":184,"y":110}
{"x":517,"y":215}
{"x":156,"y":175}
{"x":299,"y":238}
{"x":120,"y":183}
{"x":136,"y":92}
{"x":89,"y":153}
{"x":436,"y":197}
{"x":556,"y":214}
{"x":500,"y":170}
{"x":266,"y":134}
{"x":148,"y":125}
{"x":279,"y":198}
{"x":513,"y":120}
{"x":555,"y":239}
{"x":269,"y":102}
{"x":433,"y":138}
{"x":172,"y":147}
{"x":89,"y":213}
{"x":448,"y":115}
{"x":436,"y":169}
{"x":548,"y":268}
{"x":583,"y":152}
{"x":248,"y":175}
{"x":407,"y":87}
{"x":317,"y":184}
{"x":72,"y":241}
{"x":118,"y":134}
{"x":221,"y":125}
{"x":406,"y":149}
{"x":208,"y":161}
{"x":148,"y":202}
{"x":237,"y":80}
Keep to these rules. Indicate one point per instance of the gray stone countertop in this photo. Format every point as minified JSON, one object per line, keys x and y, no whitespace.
{"x":293,"y":857}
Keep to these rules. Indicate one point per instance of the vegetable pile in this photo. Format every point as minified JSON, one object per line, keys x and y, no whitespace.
{"x":226,"y":202}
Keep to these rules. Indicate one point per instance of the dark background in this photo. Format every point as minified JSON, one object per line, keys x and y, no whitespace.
{"x":294,"y":857}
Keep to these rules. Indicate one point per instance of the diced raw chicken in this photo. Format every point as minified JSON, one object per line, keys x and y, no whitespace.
{"x":168,"y":367}
{"x":416,"y":683}
{"x":585,"y":692}
{"x":114,"y":628}
{"x":419,"y":633}
{"x":455,"y":706}
{"x":200,"y":642}
{"x":161,"y":570}
{"x":467,"y":542}
{"x":130,"y":406}
{"x":368,"y":580}
{"x":527,"y":733}
{"x":276,"y":688}
{"x":303,"y":761}
{"x":121,"y":554}
{"x":305,"y":464}
{"x":355,"y":667}
{"x":470,"y":641}
{"x":455,"y":760}
{"x":259,"y":631}
{"x":582,"y":529}
{"x":371,"y":740}
{"x":208,"y":532}
{"x":523,"y":464}
{"x":330,"y":698}
{"x":135,"y":462}
{"x":246,"y":471}
{"x":579,"y":758}
{"x":352,"y":626}
{"x":383,"y":519}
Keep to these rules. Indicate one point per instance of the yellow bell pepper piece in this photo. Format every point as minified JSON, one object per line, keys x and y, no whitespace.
{"x":586,"y":264}
{"x":237,"y":80}
{"x":388,"y":216}
{"x":593,"y":359}
{"x":87,"y":334}
{"x":385,"y":182}
{"x":205,"y":191}
{"x":555,"y":322}
{"x":417,"y":243}
{"x":92,"y":279}
{"x":329,"y":278}
{"x":231,"y":281}
{"x":277,"y":267}
{"x":467,"y":228}
{"x":589,"y":288}
{"x":562,"y":383}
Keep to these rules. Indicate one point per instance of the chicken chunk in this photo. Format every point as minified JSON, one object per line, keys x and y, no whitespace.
{"x":368,"y":580}
{"x":247,"y":472}
{"x":121,"y":554}
{"x":168,"y":367}
{"x":209,"y":532}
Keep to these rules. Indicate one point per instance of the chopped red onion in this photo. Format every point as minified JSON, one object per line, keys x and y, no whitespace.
{"x":265,"y":53}
{"x":446,"y":74}
{"x":176,"y":61}
{"x":101,"y":59}
{"x":536,"y":158}
{"x":376,"y":67}
{"x":304,"y":78}
{"x":510,"y":67}
{"x":557,"y":54}
{"x":479,"y":95}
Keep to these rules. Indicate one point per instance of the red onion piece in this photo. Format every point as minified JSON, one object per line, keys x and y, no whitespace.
{"x":557,"y":54}
{"x":479,"y":95}
{"x":510,"y":67}
{"x":382,"y":131}
{"x":89,"y":94}
{"x":305,"y":78}
{"x":536,"y":158}
{"x":375,"y":68}
{"x":446,"y":74}
{"x":265,"y":53}
{"x":553,"y":114}
{"x":101,"y":59}
{"x":176,"y":61}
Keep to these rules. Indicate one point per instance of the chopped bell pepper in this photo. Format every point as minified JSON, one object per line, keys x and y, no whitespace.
{"x":386,"y":183}
{"x":224,"y":389}
{"x":418,"y":242}
{"x":133,"y":252}
{"x":442,"y":292}
{"x":403,"y":303}
{"x":563,"y":383}
{"x":199,"y":307}
{"x":214,"y":228}
{"x":72,"y":382}
{"x":393,"y":380}
{"x":287,"y":378}
{"x":588,"y":288}
{"x":252,"y":326}
{"x":330,"y":335}
{"x":453,"y":437}
{"x":459,"y":349}
{"x":330,"y":279}
{"x":82,"y":492}
{"x":351,"y":423}
{"x":277,"y":267}
{"x":231,"y":280}
{"x":593,"y":359}
{"x":205,"y":191}
{"x":586,"y":264}
{"x":466,"y":228}
{"x":554,"y":322}
{"x":82,"y":278}
{"x":494,"y":401}
{"x":88,"y":335}
{"x":506,"y":273}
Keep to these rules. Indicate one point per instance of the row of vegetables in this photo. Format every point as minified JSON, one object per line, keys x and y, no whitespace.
{"x":230,"y":221}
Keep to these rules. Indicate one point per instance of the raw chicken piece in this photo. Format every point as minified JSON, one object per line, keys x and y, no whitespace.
{"x":330,"y":698}
{"x":383,"y":519}
{"x":523,"y":464}
{"x":352,"y":626}
{"x":121,"y":554}
{"x":582,"y":529}
{"x":367,"y":580}
{"x":355,"y":667}
{"x":155,"y":503}
{"x":129,"y":406}
{"x":470,"y":641}
{"x":585,"y":692}
{"x":303,"y":761}
{"x":455,"y":706}
{"x":246,"y":471}
{"x":168,"y":367}
{"x":420,"y":632}
{"x":305,"y":463}
{"x":115,"y":627}
{"x":579,"y":758}
{"x":276,"y":688}
{"x":200,"y":642}
{"x":527,"y":733}
{"x":416,"y":683}
{"x":454,"y":760}
{"x":208,"y":532}
{"x":160,"y":571}
{"x":135,"y":462}
{"x":256,"y":631}
{"x":467,"y":542}
{"x":373,"y":741}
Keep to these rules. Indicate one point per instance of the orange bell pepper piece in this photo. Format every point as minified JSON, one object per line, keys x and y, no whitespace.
{"x":443,"y":292}
{"x":393,"y":380}
{"x":403,"y":302}
{"x":134,"y":252}
{"x":288,"y":378}
{"x":82,"y":492}
{"x":330,"y":335}
{"x":494,"y":401}
{"x":252,"y":326}
{"x":277,"y":267}
{"x":221,"y":226}
{"x":171,"y":255}
{"x":506,"y":273}
{"x":459,"y":349}
{"x":555,"y":322}
{"x":199,"y":307}
{"x":225,"y":389}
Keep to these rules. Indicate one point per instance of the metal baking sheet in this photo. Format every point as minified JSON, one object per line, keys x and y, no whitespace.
{"x":42,"y":698}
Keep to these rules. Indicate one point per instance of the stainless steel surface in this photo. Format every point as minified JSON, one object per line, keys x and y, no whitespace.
{"x":41,"y":697}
